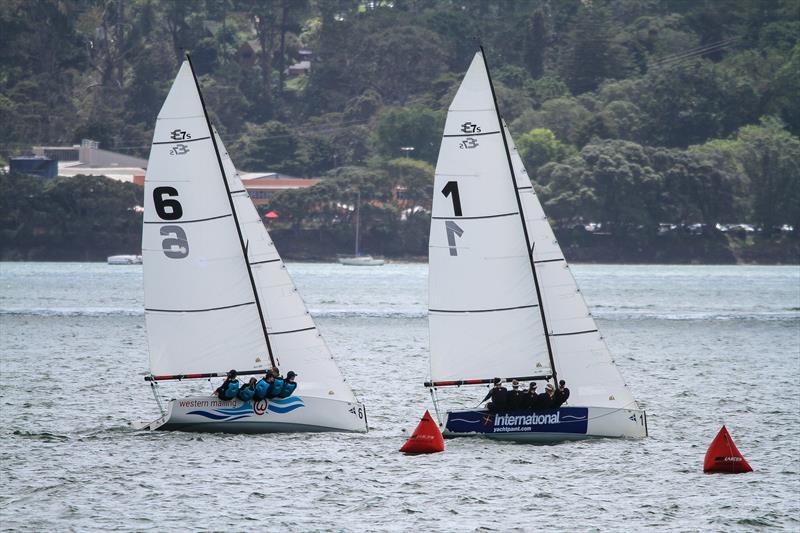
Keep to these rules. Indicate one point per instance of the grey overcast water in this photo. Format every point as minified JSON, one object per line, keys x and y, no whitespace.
{"x":698,"y":345}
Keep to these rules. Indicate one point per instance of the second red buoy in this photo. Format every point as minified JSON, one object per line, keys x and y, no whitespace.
{"x":724,"y":456}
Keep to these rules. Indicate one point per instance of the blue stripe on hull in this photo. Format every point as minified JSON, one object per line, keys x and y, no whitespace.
{"x":566,"y":420}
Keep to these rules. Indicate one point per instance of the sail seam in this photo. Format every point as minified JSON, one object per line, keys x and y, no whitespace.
{"x":549,"y":260}
{"x":482,"y":310}
{"x":474,"y":218}
{"x":291,"y":331}
{"x":185,"y":221}
{"x":523,"y":188}
{"x":262,"y":262}
{"x":182,"y":141}
{"x":572,"y":333}
{"x":237,"y":192}
{"x":471,"y":134}
{"x":198,"y":310}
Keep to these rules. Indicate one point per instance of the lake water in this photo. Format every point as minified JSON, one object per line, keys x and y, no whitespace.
{"x":700,"y":346}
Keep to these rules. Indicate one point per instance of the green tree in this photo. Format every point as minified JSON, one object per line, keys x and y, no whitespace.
{"x":770,"y":156}
{"x":540,"y":146}
{"x":419,"y":128}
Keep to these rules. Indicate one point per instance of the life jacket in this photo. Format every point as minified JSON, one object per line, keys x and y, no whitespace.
{"x":262,"y":388}
{"x":229,"y":390}
{"x":288,"y":389}
{"x":275,"y":389}
{"x":246,"y":393}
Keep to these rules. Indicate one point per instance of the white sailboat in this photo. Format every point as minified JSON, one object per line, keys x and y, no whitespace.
{"x":217,"y":294}
{"x":357,"y":259}
{"x":502,"y":299}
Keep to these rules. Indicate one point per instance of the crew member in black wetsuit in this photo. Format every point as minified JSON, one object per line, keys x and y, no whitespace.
{"x":499,"y":396}
{"x":561,"y":394}
{"x":531,"y":398}
{"x":516,"y":398}
{"x":545,"y":399}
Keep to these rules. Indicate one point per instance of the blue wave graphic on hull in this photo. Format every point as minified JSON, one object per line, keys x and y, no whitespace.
{"x":283,"y":410}
{"x":228,"y":414}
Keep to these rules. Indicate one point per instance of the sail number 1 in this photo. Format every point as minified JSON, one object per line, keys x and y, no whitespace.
{"x":453,"y":229}
{"x":176,"y":244}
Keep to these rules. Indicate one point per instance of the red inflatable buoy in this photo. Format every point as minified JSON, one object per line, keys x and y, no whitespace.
{"x":426,"y":438}
{"x":723,"y":456}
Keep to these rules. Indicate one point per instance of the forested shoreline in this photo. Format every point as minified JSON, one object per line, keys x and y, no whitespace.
{"x":649,"y":128}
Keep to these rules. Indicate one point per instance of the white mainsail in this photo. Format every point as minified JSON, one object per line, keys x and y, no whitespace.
{"x":201,"y":307}
{"x":484,"y":316}
{"x":484,"y":264}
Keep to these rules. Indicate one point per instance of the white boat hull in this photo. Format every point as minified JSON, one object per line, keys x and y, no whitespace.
{"x":364,"y":260}
{"x":565,"y":423}
{"x":295,"y":414}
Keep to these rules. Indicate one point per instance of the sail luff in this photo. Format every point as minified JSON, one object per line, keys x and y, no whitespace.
{"x":233,"y":212}
{"x":528,"y":244}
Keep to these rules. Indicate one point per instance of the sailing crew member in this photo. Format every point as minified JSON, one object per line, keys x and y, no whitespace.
{"x":561,"y":395}
{"x":499,"y":395}
{"x":263,"y":385}
{"x":229,"y":387}
{"x":515,"y":399}
{"x":546,"y":398}
{"x":531,"y":398}
{"x":276,"y":387}
{"x":247,"y":392}
{"x":288,"y":385}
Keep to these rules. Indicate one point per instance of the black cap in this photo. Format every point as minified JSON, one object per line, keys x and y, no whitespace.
{"x":562,"y":382}
{"x":291,"y":374}
{"x":496,"y":380}
{"x":232,"y":373}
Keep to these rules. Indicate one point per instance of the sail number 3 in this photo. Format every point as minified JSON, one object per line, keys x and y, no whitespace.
{"x":176,"y":245}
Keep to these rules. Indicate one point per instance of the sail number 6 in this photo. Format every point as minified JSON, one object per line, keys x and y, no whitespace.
{"x":176,"y":245}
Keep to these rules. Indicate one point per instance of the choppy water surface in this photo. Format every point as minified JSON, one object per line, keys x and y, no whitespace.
{"x":699,"y":347}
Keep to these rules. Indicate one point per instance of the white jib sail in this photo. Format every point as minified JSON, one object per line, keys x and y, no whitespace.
{"x":200,"y":306}
{"x":296,"y":342}
{"x":579,"y":350}
{"x":483,"y":308}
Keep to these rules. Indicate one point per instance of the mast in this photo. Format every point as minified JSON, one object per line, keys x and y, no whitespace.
{"x":522,"y":220}
{"x":233,"y":213}
{"x":358,"y":217}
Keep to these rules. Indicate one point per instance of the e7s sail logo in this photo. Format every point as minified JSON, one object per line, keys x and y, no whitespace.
{"x":469,"y":127}
{"x":179,"y":135}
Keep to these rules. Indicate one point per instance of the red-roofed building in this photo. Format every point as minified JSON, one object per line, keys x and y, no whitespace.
{"x":263,"y":187}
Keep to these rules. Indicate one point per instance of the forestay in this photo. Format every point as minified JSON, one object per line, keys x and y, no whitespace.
{"x":201,"y":309}
{"x":484,"y":316}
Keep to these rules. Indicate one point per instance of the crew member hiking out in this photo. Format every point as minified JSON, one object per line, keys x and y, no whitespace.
{"x":499,"y":396}
{"x":229,"y":387}
{"x":515,"y":399}
{"x":263,"y":385}
{"x":247,"y":391}
{"x":561,"y":395}
{"x":276,"y":387}
{"x":288,"y":385}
